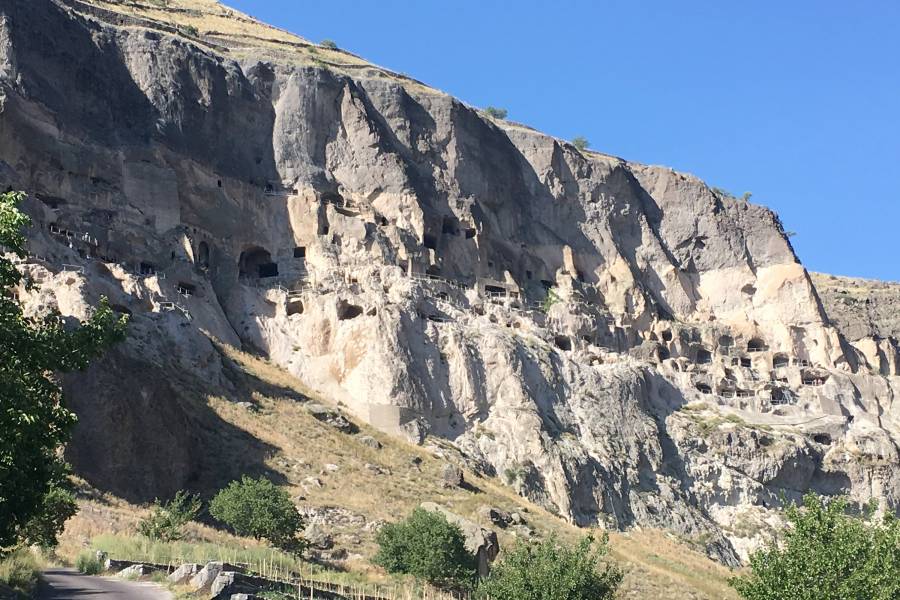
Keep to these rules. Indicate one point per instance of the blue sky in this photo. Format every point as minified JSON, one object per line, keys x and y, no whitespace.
{"x":794,"y":101}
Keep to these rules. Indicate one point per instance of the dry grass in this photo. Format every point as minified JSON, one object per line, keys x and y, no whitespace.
{"x":657,"y":565}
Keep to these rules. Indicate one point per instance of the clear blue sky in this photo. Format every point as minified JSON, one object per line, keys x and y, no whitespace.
{"x":796,"y":101}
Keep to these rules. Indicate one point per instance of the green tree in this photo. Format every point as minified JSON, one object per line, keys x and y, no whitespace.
{"x":552,"y":570}
{"x":44,"y":527}
{"x":34,"y":422}
{"x":581,"y":143}
{"x":497,"y":113}
{"x":428,"y":547}
{"x":328,"y":44}
{"x":258,"y":508}
{"x":826,"y":554}
{"x":166,"y":520}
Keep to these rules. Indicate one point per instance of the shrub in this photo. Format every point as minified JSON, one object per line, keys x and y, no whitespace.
{"x":826,"y":554}
{"x":581,"y":143}
{"x":428,"y":547}
{"x":551,"y":570}
{"x":551,"y":299}
{"x":191,"y":30}
{"x":497,"y":113}
{"x":45,"y":526}
{"x":88,"y":563}
{"x":328,"y":44}
{"x":166,"y":521}
{"x":20,"y":570}
{"x":258,"y":508}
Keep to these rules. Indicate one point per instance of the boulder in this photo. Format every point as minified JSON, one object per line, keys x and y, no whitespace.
{"x":183,"y":574}
{"x":368,"y":440}
{"x":317,"y":537}
{"x":451,"y":476}
{"x":134,"y":571}
{"x":204,"y":579}
{"x":330,"y":417}
{"x":481,"y":542}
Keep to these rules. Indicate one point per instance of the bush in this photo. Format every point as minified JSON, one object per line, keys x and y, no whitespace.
{"x":826,"y":554}
{"x":45,"y":526}
{"x":428,"y":547}
{"x":191,"y":30}
{"x":551,"y":570}
{"x":497,"y":113}
{"x":581,"y":143}
{"x":167,"y":520}
{"x":88,"y":563}
{"x":258,"y":508}
{"x":328,"y":44}
{"x":20,"y":570}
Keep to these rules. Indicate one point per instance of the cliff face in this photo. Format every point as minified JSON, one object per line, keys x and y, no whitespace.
{"x":617,"y":341}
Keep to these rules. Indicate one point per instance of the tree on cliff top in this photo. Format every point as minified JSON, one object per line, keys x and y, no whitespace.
{"x":826,"y":554}
{"x":34,"y":422}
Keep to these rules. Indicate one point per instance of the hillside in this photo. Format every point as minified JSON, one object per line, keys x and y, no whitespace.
{"x":618,"y":345}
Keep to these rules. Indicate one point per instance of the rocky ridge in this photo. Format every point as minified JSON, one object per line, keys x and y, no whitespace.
{"x":619,"y":342}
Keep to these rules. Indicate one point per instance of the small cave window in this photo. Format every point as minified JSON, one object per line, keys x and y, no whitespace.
{"x":547,"y":284}
{"x":822,"y":438}
{"x":203,"y":255}
{"x":448,"y":226}
{"x":756,"y":345}
{"x":726,"y":342}
{"x":704,"y":357}
{"x":295,"y":307}
{"x":185,"y":289}
{"x":300,"y":252}
{"x":470,"y":233}
{"x":704,"y":388}
{"x":667,"y":335}
{"x":529,"y":275}
{"x":780,"y":360}
{"x":433,"y":270}
{"x":257,"y":262}
{"x":562,"y":342}
{"x":219,"y":183}
{"x":346,"y":311}
{"x":146,"y":268}
{"x":430,"y":241}
{"x":746,"y":362}
{"x":662,"y":353}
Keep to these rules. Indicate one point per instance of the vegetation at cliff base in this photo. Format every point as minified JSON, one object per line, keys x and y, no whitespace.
{"x":167,"y":520}
{"x":34,"y":422}
{"x":259,"y":509}
{"x":826,"y":554}
{"x":552,"y":570}
{"x":428,"y":547}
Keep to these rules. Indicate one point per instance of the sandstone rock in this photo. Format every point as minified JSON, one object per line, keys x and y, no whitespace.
{"x":428,"y":240}
{"x":135,"y":572}
{"x":368,"y":440}
{"x":451,"y":476}
{"x":317,"y":537}
{"x":207,"y":575}
{"x":183,"y":574}
{"x":330,"y":417}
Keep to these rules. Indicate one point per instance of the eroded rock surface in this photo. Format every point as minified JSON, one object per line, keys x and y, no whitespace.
{"x":618,"y":342}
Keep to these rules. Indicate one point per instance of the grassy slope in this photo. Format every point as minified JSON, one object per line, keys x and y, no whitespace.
{"x":658,"y":566}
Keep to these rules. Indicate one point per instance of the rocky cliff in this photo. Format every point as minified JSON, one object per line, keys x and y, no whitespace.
{"x":617,"y":342}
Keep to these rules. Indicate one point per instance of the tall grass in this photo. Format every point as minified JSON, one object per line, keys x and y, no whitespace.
{"x":20,"y":570}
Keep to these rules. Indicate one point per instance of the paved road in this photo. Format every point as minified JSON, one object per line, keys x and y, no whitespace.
{"x":69,"y":584}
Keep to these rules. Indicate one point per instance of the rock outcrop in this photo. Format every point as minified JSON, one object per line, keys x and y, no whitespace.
{"x":618,"y":342}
